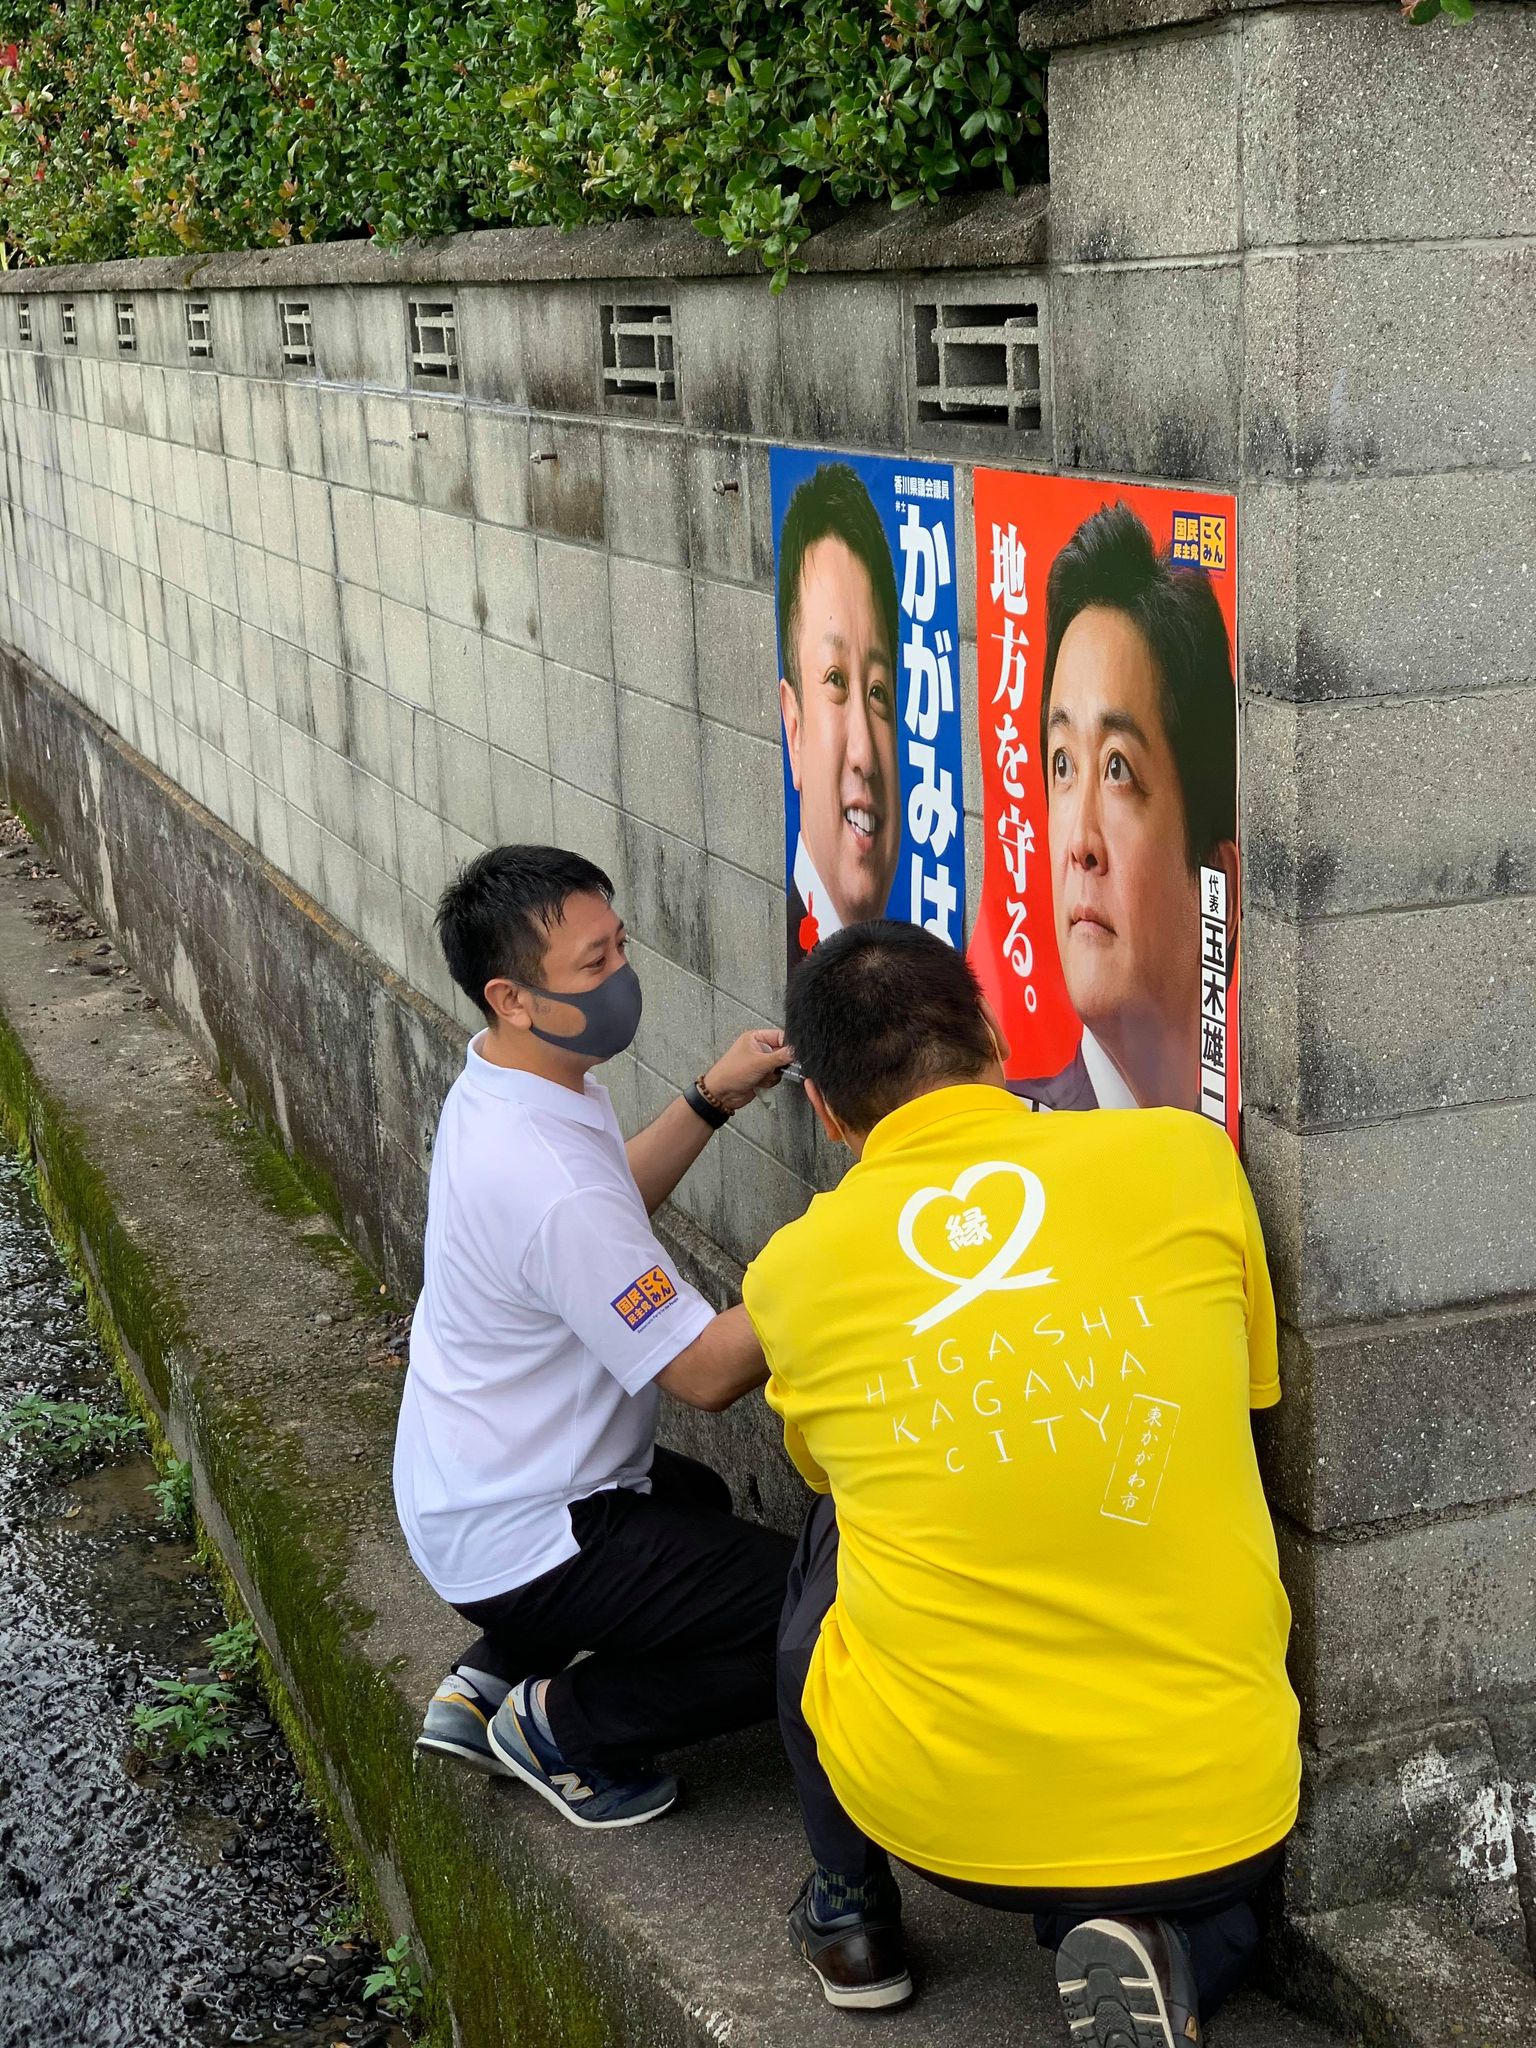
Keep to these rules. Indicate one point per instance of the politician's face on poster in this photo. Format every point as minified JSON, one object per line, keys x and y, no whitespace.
{"x":868,"y":672}
{"x":1107,"y":936}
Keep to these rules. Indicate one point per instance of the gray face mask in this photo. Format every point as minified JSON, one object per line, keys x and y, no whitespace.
{"x":612,"y":1011}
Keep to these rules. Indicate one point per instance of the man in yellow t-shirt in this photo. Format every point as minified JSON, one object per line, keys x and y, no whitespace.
{"x":1034,"y":1644}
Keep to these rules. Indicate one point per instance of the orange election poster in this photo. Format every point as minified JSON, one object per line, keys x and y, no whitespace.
{"x":1107,"y":933}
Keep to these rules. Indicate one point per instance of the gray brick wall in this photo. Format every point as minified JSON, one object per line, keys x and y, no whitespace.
{"x":375,"y":631}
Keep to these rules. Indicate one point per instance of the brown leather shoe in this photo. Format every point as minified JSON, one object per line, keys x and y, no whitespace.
{"x":860,"y":1958}
{"x":1127,"y":1983}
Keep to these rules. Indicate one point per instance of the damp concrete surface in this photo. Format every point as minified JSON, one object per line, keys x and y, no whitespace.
{"x":142,"y":1901}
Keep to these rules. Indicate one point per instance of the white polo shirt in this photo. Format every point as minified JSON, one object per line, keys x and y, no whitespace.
{"x":547,"y":1310}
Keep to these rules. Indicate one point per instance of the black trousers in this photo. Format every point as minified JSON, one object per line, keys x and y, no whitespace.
{"x":1214,"y":1912}
{"x":677,"y":1601}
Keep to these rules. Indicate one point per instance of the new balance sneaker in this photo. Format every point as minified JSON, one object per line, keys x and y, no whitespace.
{"x":457,"y":1719}
{"x":1127,"y":1984}
{"x":587,"y":1798}
{"x":860,"y":1958}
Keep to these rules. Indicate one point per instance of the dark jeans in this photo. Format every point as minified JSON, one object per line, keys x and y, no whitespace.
{"x":1214,"y":1912}
{"x":676,"y":1599}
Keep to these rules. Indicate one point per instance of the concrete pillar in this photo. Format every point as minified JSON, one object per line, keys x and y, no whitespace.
{"x":1291,"y":253}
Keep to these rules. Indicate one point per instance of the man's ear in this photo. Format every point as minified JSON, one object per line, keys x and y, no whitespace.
{"x":509,"y":1004}
{"x":1226,"y":858}
{"x":789,"y":711}
{"x":828,"y":1121}
{"x":994,"y":1024}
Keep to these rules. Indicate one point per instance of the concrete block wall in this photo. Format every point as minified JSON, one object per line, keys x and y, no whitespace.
{"x":375,"y":629}
{"x":1293,"y":248}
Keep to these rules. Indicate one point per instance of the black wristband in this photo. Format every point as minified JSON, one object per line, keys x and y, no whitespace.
{"x":717,"y":1119}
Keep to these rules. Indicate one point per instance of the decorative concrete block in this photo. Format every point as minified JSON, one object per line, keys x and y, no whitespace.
{"x":522,"y":802}
{"x":843,"y":361}
{"x":659,"y":773}
{"x":362,"y":632}
{"x":1352,"y":133}
{"x":1357,"y":1218}
{"x":736,"y":639}
{"x":448,"y":553}
{"x":590,"y":826}
{"x":352,"y":523}
{"x":583,"y":730}
{"x":666,"y":891}
{"x":507,"y":584}
{"x":653,"y":631}
{"x":322,"y":613}
{"x":728,"y":336}
{"x":1144,"y":149}
{"x":1347,"y":348}
{"x":1413,"y":1625}
{"x":401,"y":564}
{"x":574,"y":607}
{"x":1148,"y":370}
{"x":514,"y":703}
{"x":557,"y":328}
{"x":565,"y":462}
{"x":1352,"y":1442}
{"x":499,"y":476}
{"x":391,"y":450}
{"x":423,"y":863}
{"x":743,"y":800}
{"x":458,"y":676}
{"x":466,"y":772}
{"x":1374,"y":829}
{"x":645,"y":493}
{"x":277,"y":518}
{"x":313,"y":538}
{"x":1329,"y":613}
{"x":442,"y":454}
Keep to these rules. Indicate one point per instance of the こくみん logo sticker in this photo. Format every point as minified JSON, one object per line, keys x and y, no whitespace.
{"x":643,"y":1297}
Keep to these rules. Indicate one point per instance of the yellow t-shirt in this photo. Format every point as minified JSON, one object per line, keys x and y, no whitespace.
{"x":1020,"y":1351}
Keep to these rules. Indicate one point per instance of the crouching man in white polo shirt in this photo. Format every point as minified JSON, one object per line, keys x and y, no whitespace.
{"x":528,"y":1481}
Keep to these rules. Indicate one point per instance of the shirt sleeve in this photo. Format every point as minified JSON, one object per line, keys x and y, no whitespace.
{"x":778,"y":1393}
{"x":1263,"y":1338}
{"x":596,"y":1263}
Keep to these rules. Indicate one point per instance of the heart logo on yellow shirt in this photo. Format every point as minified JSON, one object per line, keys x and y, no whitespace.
{"x":969,"y":1226}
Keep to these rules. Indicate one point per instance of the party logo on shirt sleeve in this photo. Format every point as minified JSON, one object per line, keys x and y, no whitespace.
{"x":642,"y":1298}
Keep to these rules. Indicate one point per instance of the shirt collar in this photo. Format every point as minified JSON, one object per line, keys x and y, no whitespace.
{"x":813,"y":894}
{"x":1108,"y":1082}
{"x":967,"y":1098}
{"x":511,"y":1084}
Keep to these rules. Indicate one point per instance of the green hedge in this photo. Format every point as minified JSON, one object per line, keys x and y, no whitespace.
{"x":143,"y":131}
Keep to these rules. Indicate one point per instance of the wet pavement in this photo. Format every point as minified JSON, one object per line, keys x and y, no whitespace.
{"x":142,"y":1901}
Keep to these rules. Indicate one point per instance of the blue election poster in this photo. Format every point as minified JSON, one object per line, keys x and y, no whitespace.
{"x":869,"y":693}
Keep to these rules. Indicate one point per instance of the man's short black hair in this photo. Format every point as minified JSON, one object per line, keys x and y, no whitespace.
{"x":494,"y":920}
{"x":832,"y":504}
{"x":1111,"y":561}
{"x":880,"y":1012}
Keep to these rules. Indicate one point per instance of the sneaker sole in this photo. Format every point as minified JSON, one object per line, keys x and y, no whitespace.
{"x":477,"y":1760}
{"x":1109,"y":1990}
{"x":517,"y":1769}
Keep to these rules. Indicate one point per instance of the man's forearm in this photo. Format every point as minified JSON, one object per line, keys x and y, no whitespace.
{"x":662,"y":1153}
{"x":722,"y":1363}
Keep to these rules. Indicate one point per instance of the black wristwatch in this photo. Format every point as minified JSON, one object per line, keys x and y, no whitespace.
{"x":703,"y":1105}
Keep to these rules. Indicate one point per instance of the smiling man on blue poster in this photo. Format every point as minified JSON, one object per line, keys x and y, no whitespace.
{"x":869,"y":668}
